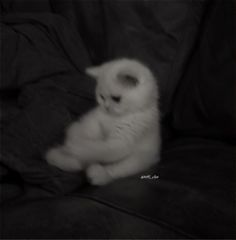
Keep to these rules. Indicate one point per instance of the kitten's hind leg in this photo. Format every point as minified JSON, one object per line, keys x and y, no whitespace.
{"x":62,"y":159}
{"x":102,"y":174}
{"x":97,"y":174}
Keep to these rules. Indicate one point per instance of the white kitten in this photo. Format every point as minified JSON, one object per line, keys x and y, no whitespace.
{"x":121,"y":136}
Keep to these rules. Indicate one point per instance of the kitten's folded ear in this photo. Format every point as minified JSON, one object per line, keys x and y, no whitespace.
{"x":93,"y":71}
{"x":128,"y":80}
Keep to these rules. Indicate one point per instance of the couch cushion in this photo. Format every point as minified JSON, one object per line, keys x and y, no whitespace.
{"x":195,"y":191}
{"x":77,"y":218}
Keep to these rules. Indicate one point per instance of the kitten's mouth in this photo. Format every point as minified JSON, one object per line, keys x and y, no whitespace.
{"x":109,"y":111}
{"x":106,"y":110}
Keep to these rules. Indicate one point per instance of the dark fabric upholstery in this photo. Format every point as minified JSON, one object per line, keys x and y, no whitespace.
{"x":189,"y":193}
{"x":189,"y":45}
{"x":73,"y":218}
{"x":205,"y":104}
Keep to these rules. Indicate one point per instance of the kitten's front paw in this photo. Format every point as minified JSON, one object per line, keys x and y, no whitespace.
{"x":59,"y":158}
{"x":97,"y":175}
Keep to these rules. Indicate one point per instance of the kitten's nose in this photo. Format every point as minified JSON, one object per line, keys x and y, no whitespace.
{"x":106,"y":104}
{"x":107,"y":108}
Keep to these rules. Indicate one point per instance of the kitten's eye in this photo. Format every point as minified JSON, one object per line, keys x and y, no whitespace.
{"x":116,"y":98}
{"x":102,"y":97}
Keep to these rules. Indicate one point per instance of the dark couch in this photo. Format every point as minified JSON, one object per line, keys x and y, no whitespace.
{"x":189,"y":45}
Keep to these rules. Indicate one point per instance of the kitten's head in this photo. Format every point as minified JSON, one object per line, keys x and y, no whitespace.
{"x":124,"y":86}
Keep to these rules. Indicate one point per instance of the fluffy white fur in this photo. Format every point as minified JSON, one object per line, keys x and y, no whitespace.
{"x":121,"y":136}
